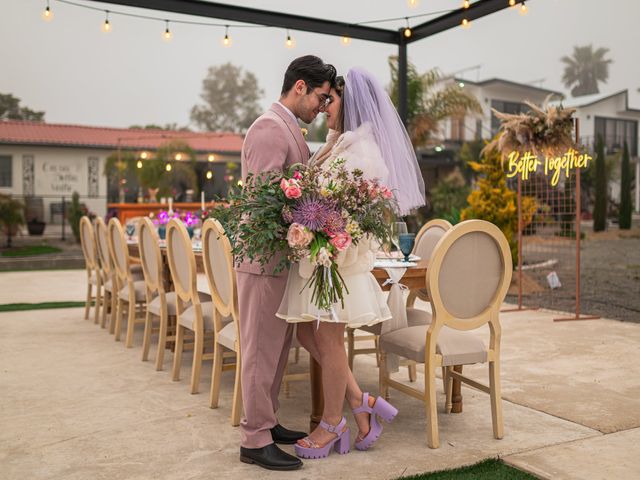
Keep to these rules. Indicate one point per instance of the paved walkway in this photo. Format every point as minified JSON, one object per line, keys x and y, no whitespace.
{"x":76,"y":405}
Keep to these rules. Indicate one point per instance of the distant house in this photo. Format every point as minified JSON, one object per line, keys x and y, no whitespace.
{"x":54,"y":160}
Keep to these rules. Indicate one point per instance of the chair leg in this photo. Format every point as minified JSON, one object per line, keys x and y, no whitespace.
{"x":106,"y":301}
{"x":296,"y":356}
{"x":131,"y":322}
{"x":376,"y":342}
{"x":119,"y":314}
{"x":87,"y":304}
{"x":198,"y":347}
{"x":162,"y":340}
{"x":99,"y":294}
{"x":146,"y":338}
{"x":236,"y":409}
{"x":350,"y":347}
{"x":177,"y":354}
{"x":285,"y":383}
{"x":447,"y":381}
{"x":413,"y":373}
{"x":216,"y":375}
{"x":383,"y":376}
{"x":113,"y":312}
{"x":496,"y":399}
{"x":433,"y":440}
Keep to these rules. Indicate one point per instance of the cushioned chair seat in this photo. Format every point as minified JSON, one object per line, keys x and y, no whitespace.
{"x":139,"y":288}
{"x":416,"y":316}
{"x":188,"y":317}
{"x":93,"y":279}
{"x":456,"y":347}
{"x":107,"y":285}
{"x":227,"y":336}
{"x":172,"y":303}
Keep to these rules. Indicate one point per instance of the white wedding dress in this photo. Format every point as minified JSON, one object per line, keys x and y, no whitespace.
{"x":365,"y":303}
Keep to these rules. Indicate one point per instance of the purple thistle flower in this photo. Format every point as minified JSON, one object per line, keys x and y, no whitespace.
{"x":334,"y":222}
{"x":312,"y":213}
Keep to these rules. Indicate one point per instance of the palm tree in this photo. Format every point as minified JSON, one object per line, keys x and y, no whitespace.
{"x":429,"y":106}
{"x":585,"y":69}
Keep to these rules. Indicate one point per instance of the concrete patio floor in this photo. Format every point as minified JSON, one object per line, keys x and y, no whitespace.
{"x":76,"y":405}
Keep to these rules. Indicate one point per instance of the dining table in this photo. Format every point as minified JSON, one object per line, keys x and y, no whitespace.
{"x":413,"y":277}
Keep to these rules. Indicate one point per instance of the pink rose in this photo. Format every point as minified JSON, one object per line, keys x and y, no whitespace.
{"x":291,"y":188}
{"x":297,"y":175}
{"x":341,"y":241}
{"x":298,"y":236}
{"x":386,"y":193}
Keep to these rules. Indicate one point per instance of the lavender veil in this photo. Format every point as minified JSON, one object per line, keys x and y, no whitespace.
{"x":364,"y":100}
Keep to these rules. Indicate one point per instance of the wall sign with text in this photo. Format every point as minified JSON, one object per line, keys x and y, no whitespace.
{"x":528,"y":163}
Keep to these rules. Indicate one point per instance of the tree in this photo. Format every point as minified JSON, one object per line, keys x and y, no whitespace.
{"x":317,"y":130}
{"x":166,"y":126}
{"x":600,"y":207}
{"x":585,"y":69}
{"x":625,"y":190}
{"x":230,"y":98}
{"x":10,"y":109}
{"x":429,"y":105}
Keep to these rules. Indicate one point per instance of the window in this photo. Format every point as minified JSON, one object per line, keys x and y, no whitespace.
{"x":615,"y":132}
{"x":6,"y":171}
{"x":504,"y":107}
{"x":457,"y":128}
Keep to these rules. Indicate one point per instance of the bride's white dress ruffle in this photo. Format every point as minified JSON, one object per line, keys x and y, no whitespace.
{"x":365,"y":303}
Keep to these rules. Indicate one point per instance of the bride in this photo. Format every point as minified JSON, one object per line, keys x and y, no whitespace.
{"x":366,"y":133}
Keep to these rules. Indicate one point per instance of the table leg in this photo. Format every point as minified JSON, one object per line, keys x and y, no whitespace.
{"x":317,"y":398}
{"x":456,"y":396}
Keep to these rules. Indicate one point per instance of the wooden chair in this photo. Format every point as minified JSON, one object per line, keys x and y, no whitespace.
{"x":468,"y":277}
{"x":88,"y":244}
{"x":107,"y":275}
{"x":192,"y":313}
{"x":218,"y":265}
{"x":129,"y":292}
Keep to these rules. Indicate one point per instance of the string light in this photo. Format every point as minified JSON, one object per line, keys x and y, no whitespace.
{"x":465,"y":23}
{"x":466,"y":4}
{"x":167,"y":33}
{"x":211,"y":157}
{"x":226,"y":41}
{"x":106,"y":26}
{"x":290,"y":43}
{"x":178,"y":157}
{"x":413,"y":3}
{"x":240,"y":183}
{"x":523,"y":9}
{"x":346,"y":40}
{"x":512,"y":3}
{"x":47,"y":15}
{"x":209,"y":174}
{"x":168,"y":167}
{"x":144,"y":155}
{"x":139,"y":164}
{"x":407,"y":32}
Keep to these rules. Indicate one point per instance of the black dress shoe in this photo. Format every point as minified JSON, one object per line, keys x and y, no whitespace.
{"x":285,"y":436}
{"x":270,"y":457}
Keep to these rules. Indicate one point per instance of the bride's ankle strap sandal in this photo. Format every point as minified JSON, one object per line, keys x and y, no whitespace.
{"x":340,"y":444}
{"x":381,"y":408}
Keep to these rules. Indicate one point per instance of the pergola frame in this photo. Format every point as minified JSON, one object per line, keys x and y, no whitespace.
{"x":267,"y":18}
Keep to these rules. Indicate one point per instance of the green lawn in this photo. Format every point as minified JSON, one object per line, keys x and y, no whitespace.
{"x":29,"y":251}
{"x":492,"y":469}
{"x":16,"y":307}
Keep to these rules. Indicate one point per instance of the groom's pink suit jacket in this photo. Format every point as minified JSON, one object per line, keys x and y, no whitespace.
{"x":273,"y":142}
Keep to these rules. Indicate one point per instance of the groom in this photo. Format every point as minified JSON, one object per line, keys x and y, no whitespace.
{"x":273,"y":142}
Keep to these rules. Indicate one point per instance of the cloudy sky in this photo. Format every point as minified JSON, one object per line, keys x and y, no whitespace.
{"x":77,"y":74}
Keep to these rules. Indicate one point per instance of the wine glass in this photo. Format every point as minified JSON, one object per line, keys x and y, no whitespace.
{"x":130,"y":228}
{"x":397,"y":229}
{"x":407,"y":240}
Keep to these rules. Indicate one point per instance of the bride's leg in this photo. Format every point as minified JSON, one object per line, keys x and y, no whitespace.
{"x":329,"y":338}
{"x":307,"y":338}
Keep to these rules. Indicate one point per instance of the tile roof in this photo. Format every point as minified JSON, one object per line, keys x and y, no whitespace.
{"x":46,"y":134}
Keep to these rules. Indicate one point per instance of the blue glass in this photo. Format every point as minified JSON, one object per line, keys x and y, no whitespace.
{"x":162,"y":232}
{"x":406,"y":240}
{"x":130,"y":228}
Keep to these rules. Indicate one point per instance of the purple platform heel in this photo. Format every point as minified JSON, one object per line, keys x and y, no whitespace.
{"x":382,"y":409}
{"x":340,"y":444}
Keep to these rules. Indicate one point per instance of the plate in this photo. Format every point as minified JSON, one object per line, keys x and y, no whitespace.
{"x":393,"y":263}
{"x":395,"y":256}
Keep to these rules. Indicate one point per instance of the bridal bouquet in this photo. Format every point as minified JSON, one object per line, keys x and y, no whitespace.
{"x":308,"y":212}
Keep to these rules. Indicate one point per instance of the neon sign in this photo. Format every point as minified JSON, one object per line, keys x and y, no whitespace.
{"x":528,"y":163}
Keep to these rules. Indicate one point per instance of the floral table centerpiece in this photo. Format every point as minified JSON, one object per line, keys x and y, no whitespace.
{"x":307,"y":212}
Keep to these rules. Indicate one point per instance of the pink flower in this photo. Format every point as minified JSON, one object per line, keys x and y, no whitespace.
{"x":341,"y":241}
{"x":386,"y":193}
{"x":298,"y":236}
{"x":297,"y":175}
{"x":291,"y":188}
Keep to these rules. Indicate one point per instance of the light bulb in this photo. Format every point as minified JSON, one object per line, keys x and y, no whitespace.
{"x":144,"y":155}
{"x":106,"y":26}
{"x":139,"y":164}
{"x":461,"y":84}
{"x":178,"y":157}
{"x":211,"y":157}
{"x":239,"y":183}
{"x":168,"y":167}
{"x":523,"y":9}
{"x":407,"y":32}
{"x":47,"y":15}
{"x":413,"y":3}
{"x":466,"y":4}
{"x":226,"y":41}
{"x":209,"y":175}
{"x":512,"y":3}
{"x":167,"y":33}
{"x":346,"y":40}
{"x":290,"y":43}
{"x":465,"y":23}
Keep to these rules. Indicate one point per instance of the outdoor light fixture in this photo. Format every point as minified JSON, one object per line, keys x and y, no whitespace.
{"x":226,"y":41}
{"x":47,"y":15}
{"x":209,"y":174}
{"x":106,"y":26}
{"x":407,"y":29}
{"x":139,"y":164}
{"x":168,"y":167}
{"x":144,"y":155}
{"x":413,"y":3}
{"x":512,"y":3}
{"x":211,"y":157}
{"x":178,"y":157}
{"x":466,"y":4}
{"x":239,"y":183}
{"x":523,"y":9}
{"x":290,"y":43}
{"x":461,"y":84}
{"x":167,"y":33}
{"x":465,"y":23}
{"x":346,"y":40}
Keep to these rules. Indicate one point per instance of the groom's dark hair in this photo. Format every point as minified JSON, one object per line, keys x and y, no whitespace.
{"x":312,"y":70}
